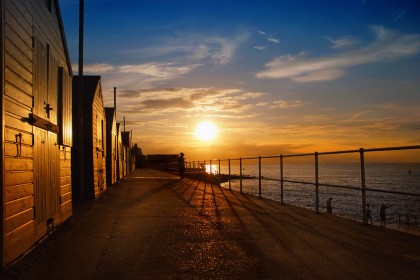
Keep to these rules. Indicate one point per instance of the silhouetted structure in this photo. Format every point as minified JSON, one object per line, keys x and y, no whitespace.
{"x":139,"y":157}
{"x":94,"y":150}
{"x":164,"y":162}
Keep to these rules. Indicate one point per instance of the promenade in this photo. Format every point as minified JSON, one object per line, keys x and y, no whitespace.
{"x":154,"y":226}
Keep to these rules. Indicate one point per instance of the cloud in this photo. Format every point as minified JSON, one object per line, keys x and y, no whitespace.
{"x":194,"y":48}
{"x":128,"y":93}
{"x":388,"y":46}
{"x":158,"y":69}
{"x":173,"y":103}
{"x":269,"y":37}
{"x":194,"y":102}
{"x":260,"y":48}
{"x":222,"y":50}
{"x":399,"y":14}
{"x":343,"y":43}
{"x":96,"y":68}
{"x":284,"y":104}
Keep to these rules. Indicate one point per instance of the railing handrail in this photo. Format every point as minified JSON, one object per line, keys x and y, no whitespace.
{"x":396,"y":148}
{"x":316,"y":183}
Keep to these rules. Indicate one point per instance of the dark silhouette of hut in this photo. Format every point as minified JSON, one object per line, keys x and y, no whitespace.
{"x":94,"y":150}
{"x":36,"y":125}
{"x":139,"y":157}
{"x":129,"y":161}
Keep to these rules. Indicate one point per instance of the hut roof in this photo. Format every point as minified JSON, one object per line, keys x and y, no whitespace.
{"x":63,"y":36}
{"x":90,"y":84}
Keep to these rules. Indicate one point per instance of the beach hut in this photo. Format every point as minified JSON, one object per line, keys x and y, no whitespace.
{"x":36,"y":125}
{"x":120,"y":155}
{"x":93,"y":153}
{"x":129,"y":163}
{"x":111,"y":143}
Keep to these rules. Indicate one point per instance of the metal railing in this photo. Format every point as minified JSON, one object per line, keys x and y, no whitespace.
{"x":201,"y":166}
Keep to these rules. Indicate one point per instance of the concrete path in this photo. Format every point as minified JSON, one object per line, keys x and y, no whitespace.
{"x":154,"y":226}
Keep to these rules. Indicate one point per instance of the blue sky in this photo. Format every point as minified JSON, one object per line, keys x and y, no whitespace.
{"x":273,"y":76}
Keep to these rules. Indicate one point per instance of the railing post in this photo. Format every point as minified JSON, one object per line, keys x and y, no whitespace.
{"x":316,"y":184}
{"x":363,"y":184}
{"x":240,"y":177}
{"x":205,"y":173}
{"x":259,"y":176}
{"x":229,"y":174}
{"x":281,"y":179}
{"x":219,"y":172}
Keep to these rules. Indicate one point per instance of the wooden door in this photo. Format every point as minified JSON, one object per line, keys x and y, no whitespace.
{"x":46,"y":150}
{"x":100,"y":149}
{"x":46,"y":181}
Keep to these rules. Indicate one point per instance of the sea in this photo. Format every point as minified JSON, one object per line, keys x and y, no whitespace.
{"x":380,"y":178}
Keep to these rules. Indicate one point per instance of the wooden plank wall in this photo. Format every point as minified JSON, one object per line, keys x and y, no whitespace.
{"x":21,"y":20}
{"x":120,"y":174}
{"x":99,"y":143}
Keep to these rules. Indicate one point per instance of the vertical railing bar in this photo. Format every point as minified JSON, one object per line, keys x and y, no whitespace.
{"x":363,"y":184}
{"x":259,"y":176}
{"x":205,"y":173}
{"x":281,"y":179}
{"x":219,"y":172}
{"x":240,"y":176}
{"x":229,"y":175}
{"x":316,"y":184}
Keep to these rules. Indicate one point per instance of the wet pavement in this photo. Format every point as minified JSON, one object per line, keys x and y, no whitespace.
{"x":154,"y":226}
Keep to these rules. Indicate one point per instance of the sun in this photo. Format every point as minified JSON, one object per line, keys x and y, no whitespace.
{"x":206,"y":131}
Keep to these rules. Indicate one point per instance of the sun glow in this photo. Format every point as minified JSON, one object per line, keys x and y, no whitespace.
{"x":206,"y":131}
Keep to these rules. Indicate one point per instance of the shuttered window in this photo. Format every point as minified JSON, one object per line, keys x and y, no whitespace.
{"x":65,"y":108}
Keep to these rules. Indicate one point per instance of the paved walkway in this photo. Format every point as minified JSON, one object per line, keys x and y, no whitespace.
{"x":154,"y":226}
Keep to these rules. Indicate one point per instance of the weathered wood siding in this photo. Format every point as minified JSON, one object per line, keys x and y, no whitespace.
{"x":36,"y":168}
{"x":120,"y":154}
{"x":99,"y":143}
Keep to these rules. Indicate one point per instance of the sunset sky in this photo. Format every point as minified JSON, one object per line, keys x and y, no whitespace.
{"x":272,"y":76}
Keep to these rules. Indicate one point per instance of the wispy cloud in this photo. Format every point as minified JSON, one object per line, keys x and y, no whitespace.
{"x":193,"y":48}
{"x":269,"y":37}
{"x":343,"y":43}
{"x":399,"y":14}
{"x":260,"y":48}
{"x":96,"y":68}
{"x":388,"y":46}
{"x":166,"y":70}
{"x":284,"y":104}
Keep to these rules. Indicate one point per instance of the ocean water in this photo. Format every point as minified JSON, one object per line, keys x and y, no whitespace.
{"x":346,"y":202}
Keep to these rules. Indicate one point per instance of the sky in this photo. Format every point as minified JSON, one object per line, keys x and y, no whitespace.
{"x":273,"y":77}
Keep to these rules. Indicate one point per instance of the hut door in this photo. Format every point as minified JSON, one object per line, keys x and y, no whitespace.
{"x":46,"y":181}
{"x":100,"y":152}
{"x":46,"y":155}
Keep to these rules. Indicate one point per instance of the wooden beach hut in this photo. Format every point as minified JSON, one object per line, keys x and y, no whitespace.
{"x":36,"y":125}
{"x":94,"y":145}
{"x":120,"y":154}
{"x":129,"y":163}
{"x":111,"y":143}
